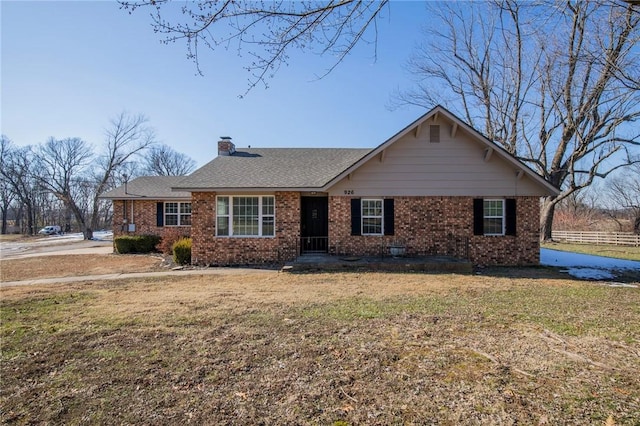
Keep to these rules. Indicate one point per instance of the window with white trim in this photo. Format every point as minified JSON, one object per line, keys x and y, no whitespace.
{"x":372,"y":217}
{"x":493,"y":217}
{"x":222,"y":216}
{"x":245,"y":216}
{"x":177,"y":214}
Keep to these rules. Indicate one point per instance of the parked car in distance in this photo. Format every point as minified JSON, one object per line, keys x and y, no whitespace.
{"x":50,"y":230}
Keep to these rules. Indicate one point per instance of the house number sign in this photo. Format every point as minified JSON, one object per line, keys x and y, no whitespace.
{"x":349,"y":192}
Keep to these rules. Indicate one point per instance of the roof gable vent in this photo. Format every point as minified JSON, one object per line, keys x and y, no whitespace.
{"x":434,"y":133}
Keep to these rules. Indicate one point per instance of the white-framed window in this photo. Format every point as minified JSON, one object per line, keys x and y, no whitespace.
{"x":177,"y":214}
{"x":222,"y":216}
{"x":494,"y":217}
{"x":372,"y":214}
{"x":245,"y":216}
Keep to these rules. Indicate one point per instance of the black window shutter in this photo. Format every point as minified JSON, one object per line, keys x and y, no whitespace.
{"x":389,"y":223}
{"x":510,"y":213}
{"x":478,"y":216}
{"x":356,"y":216}
{"x":160,"y":214}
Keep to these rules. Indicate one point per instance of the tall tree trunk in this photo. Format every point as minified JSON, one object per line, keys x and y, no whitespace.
{"x":80,"y":217}
{"x":5,"y":211}
{"x":546,"y":217}
{"x":95,"y":213}
{"x":19,"y":218}
{"x":30,"y":220}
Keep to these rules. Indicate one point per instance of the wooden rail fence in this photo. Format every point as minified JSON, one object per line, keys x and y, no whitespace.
{"x":595,"y":237}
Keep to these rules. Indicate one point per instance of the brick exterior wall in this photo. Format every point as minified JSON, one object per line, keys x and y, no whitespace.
{"x":144,"y":217}
{"x":521,"y":249}
{"x":440,"y":226}
{"x":425,"y":225}
{"x":211,"y":250}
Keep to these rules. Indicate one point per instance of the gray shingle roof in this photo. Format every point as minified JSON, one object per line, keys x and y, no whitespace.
{"x":273,"y":168}
{"x":152,"y":187}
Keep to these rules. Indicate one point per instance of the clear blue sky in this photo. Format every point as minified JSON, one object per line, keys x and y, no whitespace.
{"x":68,"y":67}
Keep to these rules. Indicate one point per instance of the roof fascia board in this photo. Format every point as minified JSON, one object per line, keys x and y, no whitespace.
{"x":253,"y":189}
{"x":144,"y":197}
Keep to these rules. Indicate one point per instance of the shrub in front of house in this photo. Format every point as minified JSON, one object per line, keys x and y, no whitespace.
{"x":148,"y":243}
{"x":136,"y":243}
{"x":182,"y":251}
{"x":169,"y":237}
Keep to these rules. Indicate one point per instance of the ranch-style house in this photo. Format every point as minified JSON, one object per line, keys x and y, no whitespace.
{"x":437,"y":187}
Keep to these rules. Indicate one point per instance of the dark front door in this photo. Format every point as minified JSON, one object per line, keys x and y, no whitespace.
{"x":315,"y":224}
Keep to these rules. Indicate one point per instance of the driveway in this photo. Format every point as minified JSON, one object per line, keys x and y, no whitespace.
{"x":57,"y":245}
{"x":103,"y":244}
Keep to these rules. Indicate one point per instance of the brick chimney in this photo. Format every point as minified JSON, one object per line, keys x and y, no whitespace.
{"x":225,"y":146}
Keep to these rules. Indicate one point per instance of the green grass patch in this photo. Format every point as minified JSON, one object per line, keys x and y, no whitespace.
{"x":571,"y":310}
{"x":357,"y":308}
{"x":25,"y":319}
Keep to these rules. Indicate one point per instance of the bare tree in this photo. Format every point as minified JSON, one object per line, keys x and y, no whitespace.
{"x":7,"y":194}
{"x":6,"y":198}
{"x":557,"y":84}
{"x":17,"y":171}
{"x":50,"y":210}
{"x":579,"y":211}
{"x":624,"y":192}
{"x":69,"y":170}
{"x":165,"y":161}
{"x":265,"y":30}
{"x":65,"y":169}
{"x":77,"y":177}
{"x":126,"y":136}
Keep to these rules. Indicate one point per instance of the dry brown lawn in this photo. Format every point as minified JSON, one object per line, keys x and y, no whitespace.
{"x":76,"y":265}
{"x":505,"y":347}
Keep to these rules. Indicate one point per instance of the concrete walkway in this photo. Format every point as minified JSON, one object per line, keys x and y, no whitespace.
{"x":135,"y":275}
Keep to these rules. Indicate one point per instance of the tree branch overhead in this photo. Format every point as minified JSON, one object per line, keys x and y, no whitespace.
{"x":266,"y":31}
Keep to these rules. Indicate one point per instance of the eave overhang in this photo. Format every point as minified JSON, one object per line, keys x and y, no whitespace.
{"x":252,"y":189}
{"x":144,"y":197}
